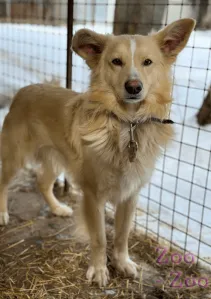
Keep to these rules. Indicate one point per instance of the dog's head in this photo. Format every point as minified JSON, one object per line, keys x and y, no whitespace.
{"x":134,"y":68}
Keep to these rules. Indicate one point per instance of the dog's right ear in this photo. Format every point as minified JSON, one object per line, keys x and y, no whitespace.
{"x":89,"y":45}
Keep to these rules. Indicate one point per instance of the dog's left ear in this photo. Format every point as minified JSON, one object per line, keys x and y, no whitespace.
{"x":174,"y":37}
{"x":89,"y":45}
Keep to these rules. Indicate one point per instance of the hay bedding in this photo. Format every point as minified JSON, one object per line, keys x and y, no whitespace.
{"x":40,"y":259}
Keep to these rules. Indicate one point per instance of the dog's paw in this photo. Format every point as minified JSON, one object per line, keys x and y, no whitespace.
{"x":126,"y":266}
{"x":100,"y":275}
{"x":62,"y":210}
{"x":4,"y":218}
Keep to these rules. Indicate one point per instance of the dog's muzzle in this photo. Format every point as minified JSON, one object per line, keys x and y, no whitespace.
{"x":133,"y":90}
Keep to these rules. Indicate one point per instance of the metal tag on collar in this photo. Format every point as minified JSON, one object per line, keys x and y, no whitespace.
{"x":132,"y":145}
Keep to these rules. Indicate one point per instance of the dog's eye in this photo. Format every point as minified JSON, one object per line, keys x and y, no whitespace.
{"x":117,"y":61}
{"x":147,"y":62}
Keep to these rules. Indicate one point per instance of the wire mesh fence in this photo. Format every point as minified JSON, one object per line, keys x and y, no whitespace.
{"x":32,"y":48}
{"x":176,"y":205}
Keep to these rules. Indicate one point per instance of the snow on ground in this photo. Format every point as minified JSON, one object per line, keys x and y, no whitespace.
{"x":181,"y":184}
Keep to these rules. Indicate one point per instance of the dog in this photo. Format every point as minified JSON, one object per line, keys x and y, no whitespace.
{"x":108,"y":138}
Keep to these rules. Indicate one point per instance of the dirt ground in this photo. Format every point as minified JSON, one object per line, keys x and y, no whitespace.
{"x":40,"y":258}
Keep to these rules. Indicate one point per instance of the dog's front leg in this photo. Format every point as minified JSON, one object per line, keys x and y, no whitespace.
{"x":123,"y":220}
{"x":95,"y":219}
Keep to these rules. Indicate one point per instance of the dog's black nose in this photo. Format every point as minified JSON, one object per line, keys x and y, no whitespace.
{"x":133,"y":86}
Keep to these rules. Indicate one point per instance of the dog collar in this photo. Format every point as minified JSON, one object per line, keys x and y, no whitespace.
{"x":133,"y":144}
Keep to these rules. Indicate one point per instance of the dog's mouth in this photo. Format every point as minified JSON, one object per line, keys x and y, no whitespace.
{"x":132,"y":99}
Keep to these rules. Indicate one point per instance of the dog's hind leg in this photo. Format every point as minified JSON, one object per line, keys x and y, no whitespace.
{"x":46,"y":178}
{"x":123,"y":220}
{"x":12,"y":160}
{"x":9,"y":169}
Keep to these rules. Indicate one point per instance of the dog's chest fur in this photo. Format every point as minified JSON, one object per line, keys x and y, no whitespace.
{"x":107,"y":158}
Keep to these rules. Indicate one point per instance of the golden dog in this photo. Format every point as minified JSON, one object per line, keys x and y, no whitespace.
{"x":107,"y":139}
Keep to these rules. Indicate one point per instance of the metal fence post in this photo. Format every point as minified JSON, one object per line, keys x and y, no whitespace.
{"x":70,"y":4}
